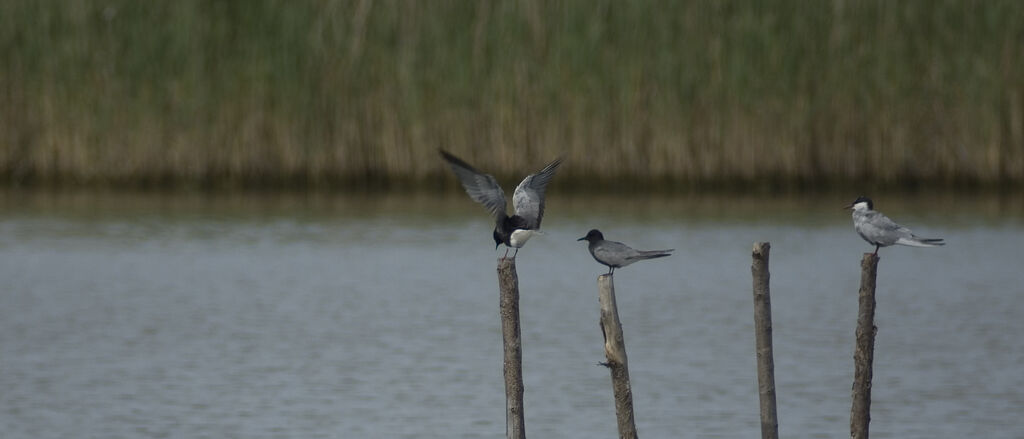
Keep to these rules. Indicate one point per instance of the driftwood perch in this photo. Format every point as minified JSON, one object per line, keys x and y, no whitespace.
{"x":763,"y":336}
{"x":615,"y":353}
{"x":508,"y":282}
{"x":864,"y":353}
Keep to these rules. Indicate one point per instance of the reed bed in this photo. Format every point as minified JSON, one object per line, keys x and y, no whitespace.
{"x":361,"y":93}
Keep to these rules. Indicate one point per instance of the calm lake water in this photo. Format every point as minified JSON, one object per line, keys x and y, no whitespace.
{"x":265,"y":316}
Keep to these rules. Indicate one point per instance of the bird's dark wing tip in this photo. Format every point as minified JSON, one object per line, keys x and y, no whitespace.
{"x":448,"y":156}
{"x":455,"y":161}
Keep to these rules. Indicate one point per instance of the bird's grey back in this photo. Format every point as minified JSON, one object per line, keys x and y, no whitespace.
{"x":528,"y":199}
{"x":617,"y":254}
{"x":875,"y":227}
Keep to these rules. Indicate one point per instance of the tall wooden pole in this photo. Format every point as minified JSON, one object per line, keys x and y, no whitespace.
{"x":508,"y":282}
{"x":615,"y":353}
{"x":864,"y":353}
{"x":763,"y":337}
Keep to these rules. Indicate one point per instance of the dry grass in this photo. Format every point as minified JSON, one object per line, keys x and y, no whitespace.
{"x":362,"y":93}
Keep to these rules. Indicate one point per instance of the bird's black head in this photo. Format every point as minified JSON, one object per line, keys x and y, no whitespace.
{"x":862,"y":199}
{"x":592,"y":235}
{"x":497,"y":239}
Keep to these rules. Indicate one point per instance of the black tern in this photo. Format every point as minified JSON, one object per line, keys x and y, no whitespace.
{"x":616,"y":254}
{"x":880,"y":231}
{"x":528,"y":201}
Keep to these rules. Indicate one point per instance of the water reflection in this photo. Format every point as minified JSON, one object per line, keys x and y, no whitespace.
{"x":324,"y":316}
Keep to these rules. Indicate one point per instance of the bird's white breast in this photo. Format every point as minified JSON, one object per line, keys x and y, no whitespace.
{"x":520,"y":236}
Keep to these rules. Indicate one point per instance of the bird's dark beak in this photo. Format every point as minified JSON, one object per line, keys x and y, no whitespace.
{"x":848,"y":206}
{"x":581,"y":239}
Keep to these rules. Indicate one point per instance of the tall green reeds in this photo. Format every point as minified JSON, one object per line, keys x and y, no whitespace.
{"x":363,"y":92}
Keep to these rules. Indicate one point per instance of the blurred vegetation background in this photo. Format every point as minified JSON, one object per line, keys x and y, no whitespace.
{"x":361,"y":94}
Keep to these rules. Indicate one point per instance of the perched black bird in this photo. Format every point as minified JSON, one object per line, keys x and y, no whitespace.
{"x":528,"y":200}
{"x":616,"y":254}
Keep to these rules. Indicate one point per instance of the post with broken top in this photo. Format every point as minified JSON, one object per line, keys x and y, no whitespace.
{"x":763,"y":341}
{"x":864,"y":352}
{"x":508,"y":283}
{"x":615,"y":353}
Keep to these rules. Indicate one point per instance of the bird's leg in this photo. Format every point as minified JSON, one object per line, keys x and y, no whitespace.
{"x":876,"y":249}
{"x":506,"y":254}
{"x":516,"y":253}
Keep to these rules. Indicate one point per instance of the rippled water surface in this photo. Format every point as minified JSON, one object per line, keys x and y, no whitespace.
{"x":155,"y":315}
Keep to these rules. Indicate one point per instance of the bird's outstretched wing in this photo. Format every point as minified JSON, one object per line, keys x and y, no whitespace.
{"x":482,"y":188}
{"x":528,"y":198}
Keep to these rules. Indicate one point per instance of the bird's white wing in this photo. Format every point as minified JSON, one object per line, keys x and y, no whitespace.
{"x":482,"y":188}
{"x":528,"y":198}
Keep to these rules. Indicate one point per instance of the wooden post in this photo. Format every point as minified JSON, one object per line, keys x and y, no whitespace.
{"x":508,"y":282}
{"x":615,"y":353}
{"x":864,"y":353}
{"x":763,"y":337}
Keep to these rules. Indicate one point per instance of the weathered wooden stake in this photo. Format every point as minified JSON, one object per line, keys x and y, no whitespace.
{"x":508,"y":282}
{"x":864,"y":353}
{"x":615,"y":353}
{"x":763,"y":337}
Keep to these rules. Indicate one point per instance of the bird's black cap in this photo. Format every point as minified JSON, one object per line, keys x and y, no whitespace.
{"x":862,"y":199}
{"x":592,"y":235}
